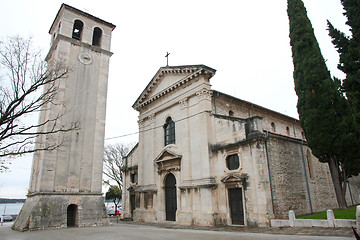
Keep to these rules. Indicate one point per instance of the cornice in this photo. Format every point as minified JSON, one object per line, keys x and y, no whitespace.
{"x":194,"y":70}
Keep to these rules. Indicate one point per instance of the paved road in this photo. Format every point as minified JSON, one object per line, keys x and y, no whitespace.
{"x":134,"y":231}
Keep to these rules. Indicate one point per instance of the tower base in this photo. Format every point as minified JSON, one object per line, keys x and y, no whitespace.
{"x":60,"y":210}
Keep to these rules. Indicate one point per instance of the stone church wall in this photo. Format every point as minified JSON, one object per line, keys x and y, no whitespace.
{"x":293,"y":187}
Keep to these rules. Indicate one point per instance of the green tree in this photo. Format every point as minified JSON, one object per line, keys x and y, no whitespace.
{"x":114,"y":194}
{"x":348,"y":48}
{"x":322,"y":109}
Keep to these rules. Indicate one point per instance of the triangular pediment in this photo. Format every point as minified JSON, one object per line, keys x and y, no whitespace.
{"x":167,"y":155}
{"x":169,"y":78}
{"x":168,"y":160}
{"x":233,"y":177}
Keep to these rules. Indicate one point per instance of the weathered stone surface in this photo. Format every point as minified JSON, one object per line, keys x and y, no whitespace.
{"x":275,"y":173}
{"x":66,"y":183}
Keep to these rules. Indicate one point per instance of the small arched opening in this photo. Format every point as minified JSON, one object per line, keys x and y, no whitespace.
{"x":288,"y":131}
{"x":77,"y":29}
{"x":72,"y":215}
{"x":273,"y":127}
{"x":96,"y":40}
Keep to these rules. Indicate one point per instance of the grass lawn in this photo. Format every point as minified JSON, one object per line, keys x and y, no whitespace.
{"x":349,"y":213}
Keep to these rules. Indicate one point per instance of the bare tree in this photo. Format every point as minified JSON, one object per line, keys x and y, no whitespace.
{"x":28,"y":85}
{"x":113,"y":161}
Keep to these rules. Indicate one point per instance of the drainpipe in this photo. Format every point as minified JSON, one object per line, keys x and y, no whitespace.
{"x":306,"y":176}
{"x":269,"y":169}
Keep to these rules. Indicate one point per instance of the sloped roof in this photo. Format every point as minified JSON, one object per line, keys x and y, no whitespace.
{"x":193,"y":70}
{"x":77,"y":11}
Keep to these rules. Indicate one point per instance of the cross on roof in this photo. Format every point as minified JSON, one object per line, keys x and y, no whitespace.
{"x":167,"y":58}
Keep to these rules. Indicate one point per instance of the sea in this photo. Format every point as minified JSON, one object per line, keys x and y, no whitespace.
{"x":10,"y":208}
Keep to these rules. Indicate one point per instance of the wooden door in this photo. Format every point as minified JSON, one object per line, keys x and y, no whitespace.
{"x":236,"y":206}
{"x":132,"y":203}
{"x":170,"y":197}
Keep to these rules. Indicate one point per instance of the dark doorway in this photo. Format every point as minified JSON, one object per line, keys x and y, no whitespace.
{"x":236,"y":206}
{"x":132,"y":203}
{"x":170,"y":197}
{"x":72,"y":215}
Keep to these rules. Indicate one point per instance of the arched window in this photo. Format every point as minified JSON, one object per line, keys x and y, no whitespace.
{"x":231,"y":113}
{"x":96,"y":40}
{"x":288,"y":131}
{"x":232,"y":162}
{"x":273,"y":127}
{"x":169,"y":131}
{"x":77,"y":29}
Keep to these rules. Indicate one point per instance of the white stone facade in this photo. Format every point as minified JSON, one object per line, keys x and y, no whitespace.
{"x":66,"y":183}
{"x":231,"y":162}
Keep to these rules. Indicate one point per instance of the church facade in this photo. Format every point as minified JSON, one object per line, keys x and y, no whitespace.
{"x":207,"y":158}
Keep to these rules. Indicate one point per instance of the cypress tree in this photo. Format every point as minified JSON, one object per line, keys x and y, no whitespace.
{"x":349,"y":51}
{"x":321,"y":106}
{"x":348,"y":48}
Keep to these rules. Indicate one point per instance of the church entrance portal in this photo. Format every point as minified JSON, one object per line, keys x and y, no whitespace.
{"x":72,"y":215}
{"x":236,"y":206}
{"x":170,"y":197}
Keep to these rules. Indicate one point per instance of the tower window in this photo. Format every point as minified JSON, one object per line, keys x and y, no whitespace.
{"x":231,"y":113}
{"x":232,"y":162}
{"x":77,"y":30}
{"x":273,"y":127}
{"x":96,"y":40}
{"x":288,"y":131}
{"x":169,"y":131}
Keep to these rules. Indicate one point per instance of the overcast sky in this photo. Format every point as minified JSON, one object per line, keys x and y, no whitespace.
{"x":247,"y":42}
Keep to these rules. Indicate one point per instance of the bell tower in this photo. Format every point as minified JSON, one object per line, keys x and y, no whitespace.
{"x":66,"y":183}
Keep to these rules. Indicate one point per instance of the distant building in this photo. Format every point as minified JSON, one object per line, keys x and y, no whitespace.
{"x":207,"y":158}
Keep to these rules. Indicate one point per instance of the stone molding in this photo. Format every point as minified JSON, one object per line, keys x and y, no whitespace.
{"x":184,"y":103}
{"x":144,"y":188}
{"x":194,"y":72}
{"x":235,"y":180}
{"x":204,"y":94}
{"x":65,"y":193}
{"x":168,"y":160}
{"x":199,"y":183}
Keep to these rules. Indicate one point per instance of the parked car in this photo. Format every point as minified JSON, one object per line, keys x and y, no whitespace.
{"x":112,"y":212}
{"x":7,"y":218}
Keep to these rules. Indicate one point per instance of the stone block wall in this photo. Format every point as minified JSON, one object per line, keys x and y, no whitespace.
{"x":293,"y":188}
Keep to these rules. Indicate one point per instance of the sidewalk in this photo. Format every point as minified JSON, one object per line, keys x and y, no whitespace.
{"x":314,"y":231}
{"x":169,"y":231}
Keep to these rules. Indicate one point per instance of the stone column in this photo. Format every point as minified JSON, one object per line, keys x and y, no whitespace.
{"x":292,"y":218}
{"x":330,"y":218}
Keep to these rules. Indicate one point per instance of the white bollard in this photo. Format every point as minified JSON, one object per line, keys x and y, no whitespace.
{"x":358,"y":218}
{"x":330,"y":218}
{"x":292,"y":218}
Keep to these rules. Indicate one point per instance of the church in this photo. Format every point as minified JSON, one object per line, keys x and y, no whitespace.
{"x":207,"y":158}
